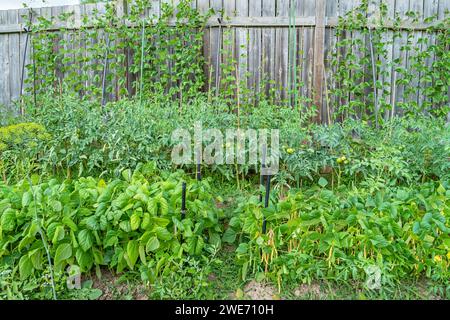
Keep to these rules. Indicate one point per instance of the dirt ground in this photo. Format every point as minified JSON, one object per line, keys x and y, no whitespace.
{"x":113,"y":288}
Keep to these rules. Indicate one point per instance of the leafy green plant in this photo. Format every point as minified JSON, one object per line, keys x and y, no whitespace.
{"x":320,"y":234}
{"x":187,"y":278}
{"x":111,"y":52}
{"x":129,"y":222}
{"x":361,"y":66}
{"x":19,"y":144}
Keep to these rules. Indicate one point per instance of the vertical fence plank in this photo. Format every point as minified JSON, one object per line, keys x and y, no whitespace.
{"x":309,"y":10}
{"x":330,"y":48}
{"x":5,"y":91}
{"x":430,"y":9}
{"x":82,"y":54}
{"x":203,"y":7}
{"x":228,"y":36}
{"x":14,"y":58}
{"x":268,"y":47}
{"x":395,"y":58}
{"x":282,"y":51}
{"x":384,"y":94}
{"x":216,"y":46}
{"x":416,"y":6}
{"x":402,"y":7}
{"x":358,"y":50}
{"x":345,"y":6}
{"x":59,"y":35}
{"x":46,"y":13}
{"x":242,"y":10}
{"x":293,"y":53}
{"x":254,"y":59}
{"x":364,"y":50}
{"x":319,"y":42}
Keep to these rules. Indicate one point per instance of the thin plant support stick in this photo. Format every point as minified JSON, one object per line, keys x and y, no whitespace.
{"x":219,"y":42}
{"x":141,"y":82}
{"x":199,"y":172}
{"x":327,"y":96}
{"x":236,"y":69}
{"x":34,"y":76}
{"x":266,"y":203}
{"x":22,"y":78}
{"x":23,"y":67}
{"x":289,"y":71}
{"x":105,"y":71}
{"x":295,"y":54}
{"x":394,"y":92}
{"x":374,"y":75}
{"x":238,"y":96}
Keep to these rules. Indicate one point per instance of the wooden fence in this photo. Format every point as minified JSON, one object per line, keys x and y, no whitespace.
{"x":260,"y":30}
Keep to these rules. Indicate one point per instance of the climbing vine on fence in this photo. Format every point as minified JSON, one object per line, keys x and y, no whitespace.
{"x":159,"y":52}
{"x":363,"y":83}
{"x":105,"y":55}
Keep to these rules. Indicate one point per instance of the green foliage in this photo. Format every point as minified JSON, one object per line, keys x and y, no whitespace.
{"x":22,"y":135}
{"x":318,"y":234}
{"x":19,"y":145}
{"x":172,"y":62}
{"x":353,"y":88}
{"x":436,"y":78}
{"x":131,"y":223}
{"x":88,"y":139}
{"x":404,"y":151}
{"x":187,"y":279}
{"x":348,"y":197}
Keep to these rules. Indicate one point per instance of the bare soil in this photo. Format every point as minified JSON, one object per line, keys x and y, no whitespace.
{"x":260,"y":291}
{"x":114,"y":289}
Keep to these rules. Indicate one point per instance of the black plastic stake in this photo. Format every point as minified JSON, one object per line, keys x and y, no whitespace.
{"x":199,"y":172}
{"x":261,"y":183}
{"x":266,"y":202}
{"x":183,"y":201}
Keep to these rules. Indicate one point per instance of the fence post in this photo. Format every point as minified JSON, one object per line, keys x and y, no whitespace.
{"x":319,"y":47}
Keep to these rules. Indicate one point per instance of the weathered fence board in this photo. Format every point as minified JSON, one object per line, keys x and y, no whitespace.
{"x":268,"y":47}
{"x":258,"y":39}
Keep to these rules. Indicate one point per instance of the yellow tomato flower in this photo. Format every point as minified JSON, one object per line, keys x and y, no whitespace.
{"x":437,"y":258}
